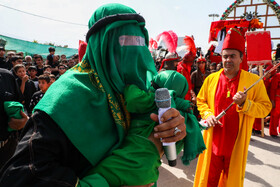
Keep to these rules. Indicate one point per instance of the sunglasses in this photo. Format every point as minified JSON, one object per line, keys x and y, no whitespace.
{"x":61,"y":68}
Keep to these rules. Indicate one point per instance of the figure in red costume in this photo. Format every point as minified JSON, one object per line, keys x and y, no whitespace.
{"x":267,"y":82}
{"x":275,"y":100}
{"x":184,"y":67}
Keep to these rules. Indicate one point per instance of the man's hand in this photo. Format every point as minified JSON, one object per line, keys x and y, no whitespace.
{"x":171,"y":119}
{"x":212,"y":121}
{"x":239,"y":98}
{"x":18,"y":124}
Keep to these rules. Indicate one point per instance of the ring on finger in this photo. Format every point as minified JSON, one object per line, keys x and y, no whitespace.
{"x":176,"y":131}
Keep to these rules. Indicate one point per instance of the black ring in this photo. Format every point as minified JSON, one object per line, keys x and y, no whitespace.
{"x":110,"y":19}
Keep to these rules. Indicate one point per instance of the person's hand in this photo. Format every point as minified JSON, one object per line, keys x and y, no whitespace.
{"x":212,"y":121}
{"x":25,"y":78}
{"x":170,"y":120}
{"x":239,"y":98}
{"x":193,"y":100}
{"x":18,"y":124}
{"x":273,"y":103}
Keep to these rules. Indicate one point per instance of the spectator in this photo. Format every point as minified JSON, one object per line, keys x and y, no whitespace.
{"x":52,"y":77}
{"x":76,"y":58}
{"x":65,"y":62}
{"x":219,"y":66}
{"x":197,"y":79}
{"x":277,"y":55}
{"x":63,"y":57}
{"x":71,"y":63}
{"x":10,"y":54}
{"x":44,"y":84}
{"x":39,"y":64}
{"x":20,"y":54}
{"x":61,"y":70}
{"x":47,"y":68}
{"x":199,"y":52}
{"x":32,"y":72}
{"x":3,"y":59}
{"x":9,"y":91}
{"x":28,"y":59}
{"x":50,"y":57}
{"x":16,"y":60}
{"x":213,"y":67}
{"x":27,"y":87}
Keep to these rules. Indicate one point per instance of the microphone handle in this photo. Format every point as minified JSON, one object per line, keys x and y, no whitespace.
{"x":169,"y":148}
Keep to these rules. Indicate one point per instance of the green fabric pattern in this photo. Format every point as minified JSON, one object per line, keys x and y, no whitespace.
{"x":138,"y":155}
{"x":12,"y":109}
{"x":136,"y":162}
{"x":87,"y":100}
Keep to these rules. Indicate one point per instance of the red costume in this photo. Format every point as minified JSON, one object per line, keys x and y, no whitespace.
{"x":267,"y":82}
{"x":184,"y":67}
{"x":275,"y":112}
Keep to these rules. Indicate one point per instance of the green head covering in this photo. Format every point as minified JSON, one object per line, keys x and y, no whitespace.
{"x":173,"y":81}
{"x":86,"y":102}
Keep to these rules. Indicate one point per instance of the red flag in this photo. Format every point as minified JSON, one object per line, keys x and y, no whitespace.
{"x":258,"y":47}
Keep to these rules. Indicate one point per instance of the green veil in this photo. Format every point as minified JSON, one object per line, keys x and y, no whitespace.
{"x":86,"y":102}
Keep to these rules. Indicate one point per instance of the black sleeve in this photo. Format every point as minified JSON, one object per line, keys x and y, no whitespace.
{"x":44,"y":157}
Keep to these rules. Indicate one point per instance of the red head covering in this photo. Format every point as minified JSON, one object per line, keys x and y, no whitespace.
{"x":201,"y":59}
{"x":234,"y":40}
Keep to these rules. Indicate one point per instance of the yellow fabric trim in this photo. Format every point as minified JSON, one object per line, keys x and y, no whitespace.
{"x":78,"y":180}
{"x":257,"y":105}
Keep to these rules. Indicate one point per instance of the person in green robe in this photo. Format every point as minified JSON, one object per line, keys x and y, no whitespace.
{"x":138,"y":154}
{"x":82,"y":117}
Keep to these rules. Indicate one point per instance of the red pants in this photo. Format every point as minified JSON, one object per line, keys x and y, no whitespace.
{"x":274,"y":118}
{"x":217,"y":165}
{"x":258,"y":124}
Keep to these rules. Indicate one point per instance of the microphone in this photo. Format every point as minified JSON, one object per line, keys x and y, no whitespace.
{"x":163,"y":102}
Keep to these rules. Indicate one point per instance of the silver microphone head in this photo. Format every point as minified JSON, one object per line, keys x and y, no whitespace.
{"x":162,"y":98}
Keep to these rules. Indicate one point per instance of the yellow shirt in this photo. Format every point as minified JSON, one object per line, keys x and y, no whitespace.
{"x":257,"y":105}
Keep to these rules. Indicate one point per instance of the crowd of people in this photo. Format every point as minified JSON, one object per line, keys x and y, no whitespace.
{"x":96,"y":125}
{"x":34,"y":74}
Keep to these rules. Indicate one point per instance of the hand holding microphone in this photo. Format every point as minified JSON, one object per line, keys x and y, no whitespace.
{"x":163,"y":102}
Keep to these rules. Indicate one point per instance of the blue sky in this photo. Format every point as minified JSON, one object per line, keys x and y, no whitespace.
{"x":182,"y":16}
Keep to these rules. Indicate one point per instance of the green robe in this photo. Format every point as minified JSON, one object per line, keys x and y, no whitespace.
{"x":137,"y":148}
{"x":86,"y":102}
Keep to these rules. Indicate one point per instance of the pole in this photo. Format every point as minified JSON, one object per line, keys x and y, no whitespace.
{"x":262,"y":120}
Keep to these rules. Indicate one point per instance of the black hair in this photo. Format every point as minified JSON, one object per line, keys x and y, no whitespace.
{"x":31,"y":68}
{"x":46,"y":66}
{"x":45,"y":77}
{"x":51,"y":49}
{"x":17,"y":67}
{"x":38,"y":56}
{"x":15,"y":58}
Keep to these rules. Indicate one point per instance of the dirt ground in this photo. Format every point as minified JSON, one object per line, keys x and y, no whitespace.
{"x":262,"y":169}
